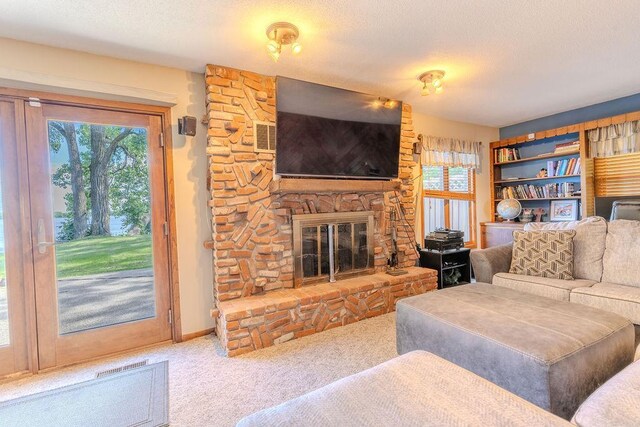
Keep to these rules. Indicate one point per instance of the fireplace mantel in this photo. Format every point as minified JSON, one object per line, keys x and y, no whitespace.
{"x":313,"y":185}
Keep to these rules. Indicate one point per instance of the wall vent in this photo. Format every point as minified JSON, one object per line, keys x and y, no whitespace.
{"x":264,"y":134}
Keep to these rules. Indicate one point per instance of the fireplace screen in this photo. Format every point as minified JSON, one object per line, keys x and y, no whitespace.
{"x":330,"y":246}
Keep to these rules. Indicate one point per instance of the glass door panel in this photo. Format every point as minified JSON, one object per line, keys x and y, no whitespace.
{"x":315,"y":251}
{"x":4,"y":309}
{"x":13,"y":281}
{"x":324,"y":250}
{"x":361,"y":249}
{"x":309,"y":252}
{"x":102,"y":224}
{"x":344,"y":251}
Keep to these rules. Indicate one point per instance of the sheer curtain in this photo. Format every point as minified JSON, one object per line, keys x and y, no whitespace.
{"x":437,"y":151}
{"x":612,"y":140}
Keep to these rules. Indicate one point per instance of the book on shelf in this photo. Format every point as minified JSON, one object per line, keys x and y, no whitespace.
{"x":502,"y":155}
{"x":565,"y":167}
{"x":567,"y":147}
{"x":548,"y":191}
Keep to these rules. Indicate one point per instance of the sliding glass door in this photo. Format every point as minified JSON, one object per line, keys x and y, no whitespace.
{"x":84,"y":244}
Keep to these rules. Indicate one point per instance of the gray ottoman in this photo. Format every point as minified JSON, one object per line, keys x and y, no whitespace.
{"x":552,"y":353}
{"x":416,"y":389}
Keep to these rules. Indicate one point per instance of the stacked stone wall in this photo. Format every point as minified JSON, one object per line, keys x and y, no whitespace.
{"x":252,"y":232}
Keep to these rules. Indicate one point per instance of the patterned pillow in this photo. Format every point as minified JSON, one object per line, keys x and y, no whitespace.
{"x":546,"y":253}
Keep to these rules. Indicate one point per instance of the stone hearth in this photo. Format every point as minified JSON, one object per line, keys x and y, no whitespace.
{"x":252,"y":222}
{"x":247,"y":324}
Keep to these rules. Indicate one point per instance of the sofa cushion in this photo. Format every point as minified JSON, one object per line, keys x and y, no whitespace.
{"x":621,"y":299}
{"x":588,"y":244}
{"x":557,"y":289}
{"x":621,"y":256}
{"x":415,"y":389}
{"x":547,"y":253}
{"x":615,"y":403}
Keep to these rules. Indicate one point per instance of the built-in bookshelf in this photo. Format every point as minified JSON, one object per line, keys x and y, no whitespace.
{"x":537,"y":171}
{"x":597,"y":181}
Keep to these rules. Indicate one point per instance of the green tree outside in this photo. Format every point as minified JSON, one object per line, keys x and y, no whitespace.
{"x":106,"y":174}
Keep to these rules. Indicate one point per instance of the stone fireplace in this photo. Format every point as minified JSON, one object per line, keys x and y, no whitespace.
{"x":267,"y":288}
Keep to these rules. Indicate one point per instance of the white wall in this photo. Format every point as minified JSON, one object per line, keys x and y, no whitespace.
{"x":433,"y":126}
{"x":32,"y":66}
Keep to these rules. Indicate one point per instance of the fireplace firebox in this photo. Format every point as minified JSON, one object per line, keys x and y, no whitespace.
{"x":330,"y":246}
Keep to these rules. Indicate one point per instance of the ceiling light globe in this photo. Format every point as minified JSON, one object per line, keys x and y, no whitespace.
{"x":436,"y":83}
{"x":439,"y":89}
{"x":425,"y":90}
{"x":272,"y":47}
{"x":296,"y":48}
{"x":274,"y":55}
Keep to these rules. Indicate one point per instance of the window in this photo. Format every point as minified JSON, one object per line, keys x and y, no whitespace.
{"x":449,"y":200}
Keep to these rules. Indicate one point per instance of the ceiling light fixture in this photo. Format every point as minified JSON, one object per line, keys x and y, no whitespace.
{"x":384,"y":102}
{"x":282,"y":34}
{"x":431,"y":82}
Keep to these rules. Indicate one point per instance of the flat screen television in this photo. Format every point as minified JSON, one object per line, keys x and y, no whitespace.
{"x":323,"y":131}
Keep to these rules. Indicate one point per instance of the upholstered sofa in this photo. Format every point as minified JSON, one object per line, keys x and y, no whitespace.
{"x":421,"y":389}
{"x":606,"y":267}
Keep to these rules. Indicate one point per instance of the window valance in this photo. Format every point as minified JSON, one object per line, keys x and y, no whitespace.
{"x":615,"y":139}
{"x":451,"y":152}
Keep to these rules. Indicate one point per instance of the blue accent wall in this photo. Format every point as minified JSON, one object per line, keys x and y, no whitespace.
{"x":579,"y":115}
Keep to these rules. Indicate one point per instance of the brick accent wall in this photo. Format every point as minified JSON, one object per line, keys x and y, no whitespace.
{"x":252,"y":232}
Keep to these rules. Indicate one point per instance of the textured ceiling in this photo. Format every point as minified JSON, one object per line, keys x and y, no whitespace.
{"x":506,"y":61}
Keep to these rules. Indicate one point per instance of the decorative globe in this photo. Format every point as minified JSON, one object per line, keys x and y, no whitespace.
{"x":509,"y":209}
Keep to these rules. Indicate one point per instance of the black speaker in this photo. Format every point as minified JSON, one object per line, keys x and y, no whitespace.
{"x":187,"y":125}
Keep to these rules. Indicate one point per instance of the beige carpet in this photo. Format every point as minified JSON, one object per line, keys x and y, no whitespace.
{"x":206,"y":388}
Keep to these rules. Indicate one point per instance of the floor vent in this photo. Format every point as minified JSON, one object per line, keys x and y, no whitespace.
{"x":121,"y":369}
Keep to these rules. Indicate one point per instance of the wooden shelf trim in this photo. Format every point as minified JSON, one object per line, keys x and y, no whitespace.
{"x":541,"y":157}
{"x":543,"y":198}
{"x":313,"y":185}
{"x":507,"y":181}
{"x":563,"y":130}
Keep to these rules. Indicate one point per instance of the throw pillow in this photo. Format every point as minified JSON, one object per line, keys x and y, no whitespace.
{"x":588,"y":244}
{"x":543,"y":253}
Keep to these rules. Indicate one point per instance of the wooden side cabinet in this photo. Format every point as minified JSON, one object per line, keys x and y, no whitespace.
{"x":498,"y":233}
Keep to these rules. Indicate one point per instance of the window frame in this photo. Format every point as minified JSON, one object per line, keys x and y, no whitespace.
{"x":447,"y":196}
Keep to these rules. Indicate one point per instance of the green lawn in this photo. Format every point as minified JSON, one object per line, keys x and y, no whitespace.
{"x":95,"y":255}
